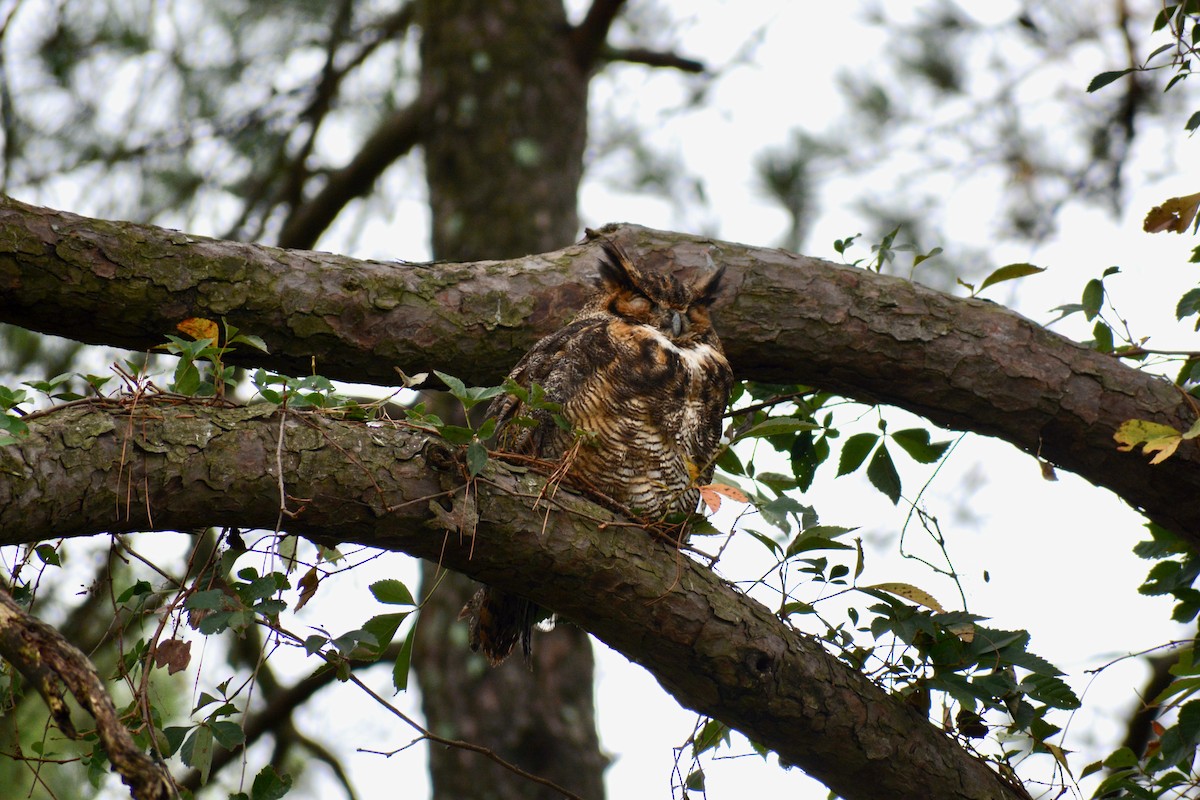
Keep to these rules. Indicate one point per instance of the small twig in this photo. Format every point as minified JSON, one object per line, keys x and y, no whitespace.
{"x":486,"y":752}
{"x":774,"y":401}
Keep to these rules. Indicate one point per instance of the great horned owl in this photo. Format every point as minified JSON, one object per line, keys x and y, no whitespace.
{"x":641,"y":373}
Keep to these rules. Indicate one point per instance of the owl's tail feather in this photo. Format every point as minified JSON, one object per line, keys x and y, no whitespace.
{"x":497,"y":621}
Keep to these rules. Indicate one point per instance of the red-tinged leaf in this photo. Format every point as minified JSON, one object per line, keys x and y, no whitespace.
{"x":713,"y":492}
{"x":711,"y":499}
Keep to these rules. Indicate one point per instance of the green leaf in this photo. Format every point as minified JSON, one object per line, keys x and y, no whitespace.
{"x":349,"y":640}
{"x":260,"y":588}
{"x":403,"y":661}
{"x":227,"y":734}
{"x":695,"y":780}
{"x":818,"y":537}
{"x":197,"y":751}
{"x":796,"y":607}
{"x":172,"y":739}
{"x":776,"y":426}
{"x":855,"y":452}
{"x":1121,"y":759}
{"x":1192,"y":123}
{"x":1009,"y":272}
{"x":187,"y":379}
{"x":1102,"y":338}
{"x":457,"y":387}
{"x":711,"y":736}
{"x":1050,"y":690}
{"x":457,"y":434}
{"x":139,"y":588}
{"x":915,"y":442}
{"x":210,"y":599}
{"x":477,"y":457}
{"x":383,"y":627}
{"x":1105,"y":78}
{"x":215,"y":622}
{"x":392,"y":592}
{"x":937,"y":251}
{"x":48,"y":555}
{"x":270,"y":785}
{"x":1093,"y":298}
{"x":254,"y":341}
{"x":766,"y":541}
{"x":883,"y":475}
{"x":1188,"y":304}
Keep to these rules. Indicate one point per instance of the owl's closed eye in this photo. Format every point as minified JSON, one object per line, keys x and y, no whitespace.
{"x":658,"y":299}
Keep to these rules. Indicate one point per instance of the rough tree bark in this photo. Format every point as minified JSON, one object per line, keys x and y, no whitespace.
{"x":966,"y":364}
{"x":119,"y":468}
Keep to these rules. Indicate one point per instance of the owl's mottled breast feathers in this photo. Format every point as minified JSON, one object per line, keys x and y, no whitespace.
{"x":641,"y":371}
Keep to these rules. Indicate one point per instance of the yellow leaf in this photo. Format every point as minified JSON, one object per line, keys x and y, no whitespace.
{"x":1133,"y":432}
{"x":963,"y":630}
{"x":909,"y":592}
{"x":199,"y":328}
{"x":1165,"y":447}
{"x":1153,"y":436}
{"x":1175,"y":214}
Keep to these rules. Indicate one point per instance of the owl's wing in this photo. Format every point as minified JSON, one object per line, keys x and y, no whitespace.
{"x":559,"y":364}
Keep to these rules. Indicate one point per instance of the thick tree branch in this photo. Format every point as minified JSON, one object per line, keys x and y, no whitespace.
{"x":87,"y":470}
{"x":55,"y":667}
{"x":965,"y":364}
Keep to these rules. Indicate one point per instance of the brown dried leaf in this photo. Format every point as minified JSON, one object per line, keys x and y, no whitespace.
{"x":308,"y":586}
{"x":174,"y":654}
{"x":1175,"y":214}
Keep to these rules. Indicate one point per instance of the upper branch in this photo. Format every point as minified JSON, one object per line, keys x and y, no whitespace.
{"x":396,"y":135}
{"x":590,"y":35}
{"x":155,"y":467}
{"x":965,"y":364}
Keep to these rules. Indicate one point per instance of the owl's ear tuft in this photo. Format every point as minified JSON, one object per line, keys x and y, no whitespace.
{"x":709,"y":289}
{"x":615,"y":267}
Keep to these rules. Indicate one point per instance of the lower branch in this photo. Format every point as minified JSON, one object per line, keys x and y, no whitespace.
{"x":55,"y":667}
{"x":716,"y":650}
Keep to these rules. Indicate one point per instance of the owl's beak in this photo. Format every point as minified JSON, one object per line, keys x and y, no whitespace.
{"x":676,"y":323}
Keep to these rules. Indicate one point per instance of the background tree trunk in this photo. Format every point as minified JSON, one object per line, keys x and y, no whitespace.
{"x":503,"y":173}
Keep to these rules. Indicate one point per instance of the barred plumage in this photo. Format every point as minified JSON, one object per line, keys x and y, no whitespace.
{"x":641,"y":371}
